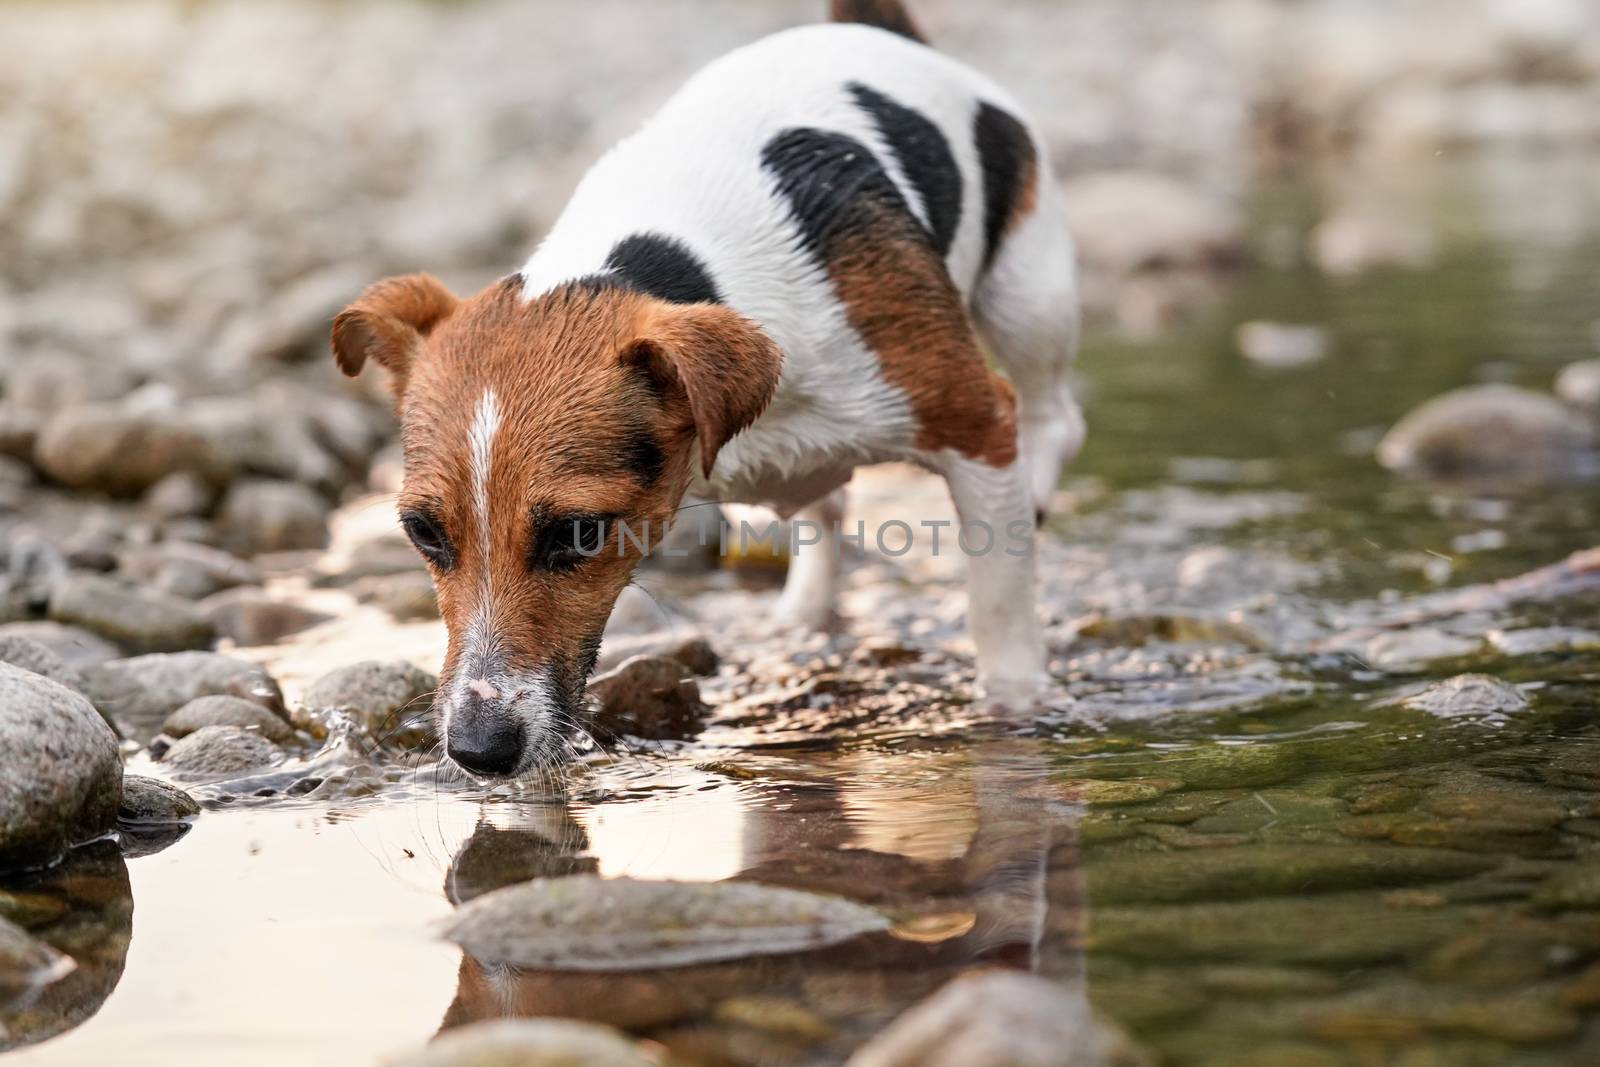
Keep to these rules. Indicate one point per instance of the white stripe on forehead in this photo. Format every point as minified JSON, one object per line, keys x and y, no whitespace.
{"x":480,"y":439}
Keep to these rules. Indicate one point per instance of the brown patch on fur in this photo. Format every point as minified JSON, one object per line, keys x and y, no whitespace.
{"x":888,"y":15}
{"x":900,"y":299}
{"x":1027,"y":196}
{"x":572,"y":402}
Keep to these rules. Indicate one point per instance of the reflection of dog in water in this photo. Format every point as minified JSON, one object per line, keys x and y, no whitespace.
{"x":782,"y":276}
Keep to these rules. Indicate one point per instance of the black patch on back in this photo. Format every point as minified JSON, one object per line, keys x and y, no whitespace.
{"x":663,"y":268}
{"x":924,"y":155}
{"x":1005,"y":156}
{"x":834,"y":185}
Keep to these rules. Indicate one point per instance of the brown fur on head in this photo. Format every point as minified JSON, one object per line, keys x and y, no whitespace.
{"x":531,"y":429}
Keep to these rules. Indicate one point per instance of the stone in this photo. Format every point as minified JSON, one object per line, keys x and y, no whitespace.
{"x":1123,"y":221}
{"x":139,"y":620}
{"x":588,"y":923}
{"x":271,"y":516}
{"x":220,"y":710}
{"x":690,"y":649}
{"x":249,"y":616}
{"x":151,"y":802}
{"x":1278,"y":344}
{"x":1468,"y":696}
{"x":76,"y":646}
{"x":1573,"y":887}
{"x":1000,"y":1019}
{"x":391,"y":701}
{"x":1534,"y":640}
{"x":179,"y":495}
{"x":26,"y":964}
{"x":30,"y":655}
{"x":649,"y":697}
{"x":527,"y":1043}
{"x":219,"y":751}
{"x":19,"y":432}
{"x":123,"y":453}
{"x":140,"y":692}
{"x":407,"y":597}
{"x":1357,"y":240}
{"x":60,"y":769}
{"x":1578,"y":384}
{"x":1413,"y":649}
{"x":187,"y":570}
{"x":1271,"y":870}
{"x":1488,"y":431}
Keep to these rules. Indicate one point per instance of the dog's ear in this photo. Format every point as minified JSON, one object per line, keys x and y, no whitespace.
{"x":387,"y":323}
{"x":723,"y":364}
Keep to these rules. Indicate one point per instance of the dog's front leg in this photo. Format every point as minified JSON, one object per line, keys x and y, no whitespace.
{"x":997,"y":531}
{"x":813,"y":578}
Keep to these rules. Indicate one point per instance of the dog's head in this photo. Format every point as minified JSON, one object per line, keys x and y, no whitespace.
{"x":536,"y":433}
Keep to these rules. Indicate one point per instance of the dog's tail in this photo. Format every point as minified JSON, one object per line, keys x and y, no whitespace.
{"x":888,"y":15}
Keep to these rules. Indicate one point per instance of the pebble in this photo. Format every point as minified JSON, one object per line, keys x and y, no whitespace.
{"x":1534,"y":640}
{"x":142,"y":691}
{"x":391,"y":701}
{"x":138,"y":619}
{"x":60,"y":769}
{"x":649,"y":697}
{"x":123,"y":453}
{"x":1487,"y":431}
{"x":1283,"y":345}
{"x":1578,"y":384}
{"x":1468,"y":695}
{"x":1000,"y":1019}
{"x":527,"y":1043}
{"x":588,"y":923}
{"x":249,"y":616}
{"x":1402,"y":651}
{"x":219,"y":751}
{"x":150,"y":801}
{"x":259,"y":516}
{"x":219,"y":710}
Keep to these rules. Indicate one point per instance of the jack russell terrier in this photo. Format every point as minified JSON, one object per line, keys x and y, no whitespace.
{"x":782,"y":276}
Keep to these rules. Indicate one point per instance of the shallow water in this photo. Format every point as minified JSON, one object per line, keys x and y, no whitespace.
{"x":1228,"y":841}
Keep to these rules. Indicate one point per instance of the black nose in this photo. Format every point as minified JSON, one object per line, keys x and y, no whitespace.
{"x":487,"y":749}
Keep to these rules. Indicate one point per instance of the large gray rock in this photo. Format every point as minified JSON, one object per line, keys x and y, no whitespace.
{"x":390,"y":700}
{"x":222,"y":710}
{"x":112,"y":450}
{"x":30,"y":655}
{"x":1488,"y":431}
{"x":219,"y":751}
{"x":73,"y":644}
{"x":527,"y":1043}
{"x":140,"y":692}
{"x":269,"y":516}
{"x":139,"y":620}
{"x":60,"y":769}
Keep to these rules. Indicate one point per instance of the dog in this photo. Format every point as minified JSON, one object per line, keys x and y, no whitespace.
{"x":782,"y":276}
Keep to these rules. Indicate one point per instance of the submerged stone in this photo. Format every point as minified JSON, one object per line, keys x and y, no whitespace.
{"x":1233,"y":873}
{"x":527,"y":1043}
{"x":150,"y":801}
{"x":1468,"y":695}
{"x":587,"y":923}
{"x":1576,"y":887}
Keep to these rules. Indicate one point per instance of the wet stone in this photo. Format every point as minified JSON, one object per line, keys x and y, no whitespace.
{"x":1576,"y":887}
{"x":1233,"y":873}
{"x":26,"y":963}
{"x":143,"y":690}
{"x":220,"y":710}
{"x":1540,"y":639}
{"x":526,"y":1043}
{"x":219,"y":751}
{"x":1400,"y":1015}
{"x":1413,"y":649}
{"x":650,"y":697}
{"x":391,"y":701}
{"x":150,"y":801}
{"x":1468,"y":695}
{"x":1099,"y":793}
{"x":1270,"y":809}
{"x":586,"y":923}
{"x":1488,"y":430}
{"x":60,"y":769}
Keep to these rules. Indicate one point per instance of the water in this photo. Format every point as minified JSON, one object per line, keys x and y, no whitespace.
{"x":1231,"y":843}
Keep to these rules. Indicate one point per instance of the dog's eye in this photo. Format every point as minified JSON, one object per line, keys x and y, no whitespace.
{"x":563,"y":542}
{"x":426,"y":533}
